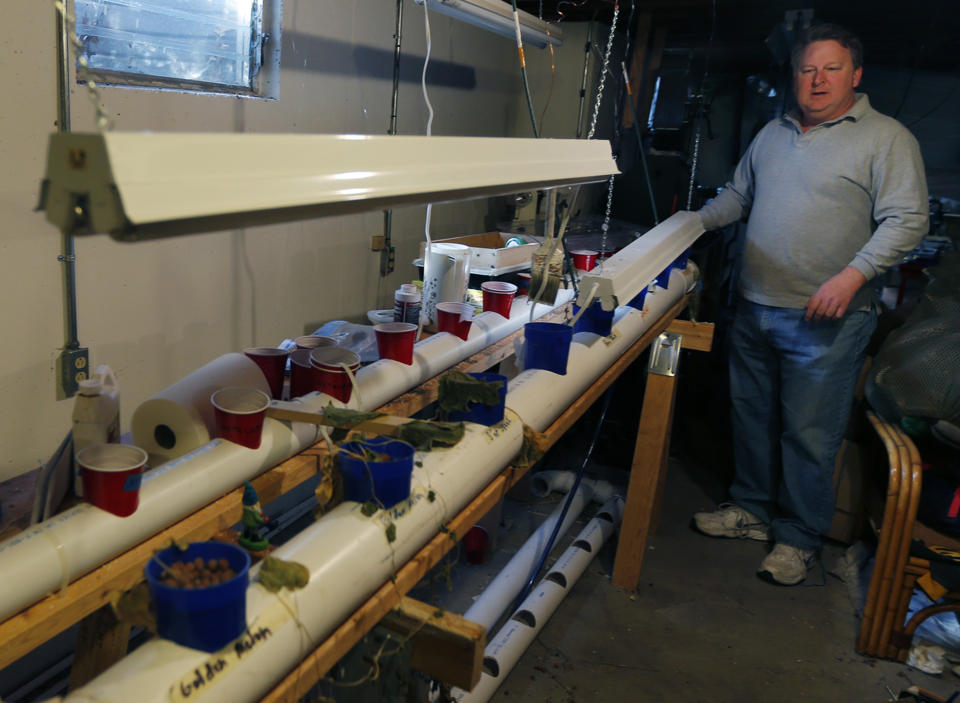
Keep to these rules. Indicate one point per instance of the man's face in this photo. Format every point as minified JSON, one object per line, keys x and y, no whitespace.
{"x":824,"y":82}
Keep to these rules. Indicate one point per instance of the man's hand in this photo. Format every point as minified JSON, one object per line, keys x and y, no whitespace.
{"x":832,"y":299}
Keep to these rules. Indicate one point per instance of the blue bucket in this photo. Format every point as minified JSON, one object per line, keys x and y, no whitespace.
{"x":637,"y":301}
{"x":681,"y":261}
{"x":481,"y":413}
{"x":595,"y":319}
{"x":547,"y":346}
{"x":201,"y":618}
{"x":385,"y":481}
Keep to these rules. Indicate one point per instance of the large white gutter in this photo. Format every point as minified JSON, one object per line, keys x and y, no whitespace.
{"x":347,"y":553}
{"x":508,"y":645}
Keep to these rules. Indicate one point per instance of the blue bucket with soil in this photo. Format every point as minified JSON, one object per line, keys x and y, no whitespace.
{"x":376,"y":470}
{"x":547,"y":346}
{"x":481,"y":413}
{"x":595,"y":319}
{"x":194,"y":615}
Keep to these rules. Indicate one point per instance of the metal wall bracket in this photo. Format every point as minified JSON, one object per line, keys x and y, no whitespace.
{"x":665,"y":354}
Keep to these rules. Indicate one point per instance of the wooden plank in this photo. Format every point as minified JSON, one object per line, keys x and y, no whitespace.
{"x":550,"y":436}
{"x":420,"y":397}
{"x":36,"y":624}
{"x":101,"y":642}
{"x":649,"y":463}
{"x":696,"y":335}
{"x":316,"y":664}
{"x":444,"y":645}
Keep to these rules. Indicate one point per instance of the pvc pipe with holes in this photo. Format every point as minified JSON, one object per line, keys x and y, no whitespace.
{"x":508,"y":645}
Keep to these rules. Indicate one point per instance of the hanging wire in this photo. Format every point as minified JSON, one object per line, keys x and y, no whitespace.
{"x":102,"y":120}
{"x":428,"y":250}
{"x":553,"y":75}
{"x":523,"y":70}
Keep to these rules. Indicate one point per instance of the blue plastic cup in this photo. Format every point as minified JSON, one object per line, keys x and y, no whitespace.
{"x":681,"y":261}
{"x":547,"y":346}
{"x":663,"y":279}
{"x":595,"y":319}
{"x":481,"y":413}
{"x":208,"y":618}
{"x":385,"y":482}
{"x":638,"y":299}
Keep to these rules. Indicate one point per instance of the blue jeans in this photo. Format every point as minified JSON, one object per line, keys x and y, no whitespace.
{"x":791,"y":388}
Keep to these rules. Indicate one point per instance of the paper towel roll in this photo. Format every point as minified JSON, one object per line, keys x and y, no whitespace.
{"x":446,"y":278}
{"x":179,"y":419}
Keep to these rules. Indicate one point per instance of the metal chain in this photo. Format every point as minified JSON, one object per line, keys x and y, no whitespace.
{"x":603,"y":71}
{"x":693,"y":165}
{"x":103,"y":121}
{"x":606,"y":224}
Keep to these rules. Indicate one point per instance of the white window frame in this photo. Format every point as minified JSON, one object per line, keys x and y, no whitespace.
{"x":264,"y":85}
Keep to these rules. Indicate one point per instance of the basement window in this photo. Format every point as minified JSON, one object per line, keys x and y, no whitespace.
{"x":229,"y":47}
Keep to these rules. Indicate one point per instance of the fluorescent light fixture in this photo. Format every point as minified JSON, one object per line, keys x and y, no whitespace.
{"x":497,"y":16}
{"x":135,"y":185}
{"x":631,"y":269}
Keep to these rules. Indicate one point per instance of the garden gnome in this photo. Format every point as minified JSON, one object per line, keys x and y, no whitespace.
{"x":252,"y":519}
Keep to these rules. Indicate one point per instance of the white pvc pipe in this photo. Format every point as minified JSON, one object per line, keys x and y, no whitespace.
{"x":497,"y":597}
{"x":539,"y":397}
{"x":349,"y":557}
{"x":508,"y":645}
{"x":50,"y":554}
{"x":543,"y":483}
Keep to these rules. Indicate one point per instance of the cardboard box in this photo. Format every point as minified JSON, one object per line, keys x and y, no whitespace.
{"x":489,"y":256}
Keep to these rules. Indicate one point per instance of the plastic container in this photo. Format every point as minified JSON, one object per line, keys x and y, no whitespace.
{"x":111,"y":475}
{"x":547,"y":346}
{"x":595,"y":319}
{"x":406,"y":304}
{"x":481,"y":413}
{"x":383,"y":482}
{"x":201,"y":618}
{"x":681,"y":261}
{"x":272,"y":361}
{"x":637,"y":301}
{"x":329,"y":371}
{"x":96,"y":415}
{"x":663,"y":279}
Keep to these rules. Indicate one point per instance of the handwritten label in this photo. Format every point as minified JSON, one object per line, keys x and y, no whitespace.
{"x":203,"y":679}
{"x":494,"y":431}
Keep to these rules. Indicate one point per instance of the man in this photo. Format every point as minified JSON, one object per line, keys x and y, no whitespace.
{"x":836,"y":194}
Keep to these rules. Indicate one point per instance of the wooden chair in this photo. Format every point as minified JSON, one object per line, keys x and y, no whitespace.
{"x":883,"y":632}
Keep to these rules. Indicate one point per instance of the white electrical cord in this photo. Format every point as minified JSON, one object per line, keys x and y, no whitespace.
{"x":590,"y":298}
{"x":426,"y":224}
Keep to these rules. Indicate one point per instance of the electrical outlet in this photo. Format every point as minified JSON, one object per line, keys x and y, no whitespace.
{"x":73,"y":366}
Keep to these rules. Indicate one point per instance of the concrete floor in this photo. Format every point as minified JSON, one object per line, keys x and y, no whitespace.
{"x":700,"y":627}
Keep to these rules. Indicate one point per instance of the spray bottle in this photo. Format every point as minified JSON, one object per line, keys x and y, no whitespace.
{"x":96,"y":415}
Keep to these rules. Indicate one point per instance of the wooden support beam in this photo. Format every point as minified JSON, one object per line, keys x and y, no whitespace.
{"x":646,"y":478}
{"x":385,"y":425}
{"x":697,"y":336}
{"x":445,"y":645}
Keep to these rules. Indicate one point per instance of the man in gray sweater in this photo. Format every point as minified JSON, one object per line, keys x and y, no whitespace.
{"x":836,"y":195}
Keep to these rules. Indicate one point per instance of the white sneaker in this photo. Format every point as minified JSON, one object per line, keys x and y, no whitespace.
{"x":786,"y":565}
{"x":730,"y":520}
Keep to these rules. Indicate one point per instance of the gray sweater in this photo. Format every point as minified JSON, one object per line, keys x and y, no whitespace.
{"x":849,"y":192}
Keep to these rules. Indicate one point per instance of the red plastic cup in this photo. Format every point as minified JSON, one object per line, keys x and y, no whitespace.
{"x":329,"y":375}
{"x":395,"y":341}
{"x":455,"y":318}
{"x":313,"y":341}
{"x":111,"y":475}
{"x":273,"y":363}
{"x":301,"y":373}
{"x":475,"y":544}
{"x":498,"y":297}
{"x":584,"y":259}
{"x":238,"y":415}
{"x":523,"y":283}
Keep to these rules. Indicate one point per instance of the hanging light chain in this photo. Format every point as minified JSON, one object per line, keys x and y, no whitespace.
{"x":603,"y":71}
{"x":103,"y":121}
